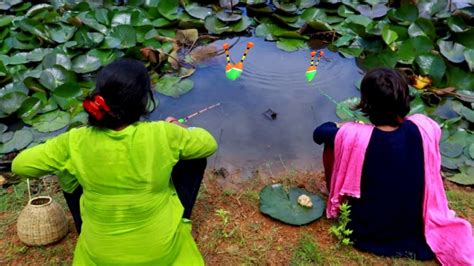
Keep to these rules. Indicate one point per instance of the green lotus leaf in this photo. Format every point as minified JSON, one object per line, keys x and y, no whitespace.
{"x":291,"y":45}
{"x":50,"y":121}
{"x":121,"y":19}
{"x":60,"y":33}
{"x":89,"y":20}
{"x":106,"y":56}
{"x":29,"y":108}
{"x":432,"y":65}
{"x":406,"y":14}
{"x":6,"y":20}
{"x":465,"y":38}
{"x":422,"y":27}
{"x":459,"y":78}
{"x":428,"y":8}
{"x":345,"y":11}
{"x":471,"y":151}
{"x":197,"y":11}
{"x":68,"y":90}
{"x":169,"y":9}
{"x":278,"y":204}
{"x":386,"y":58}
{"x":3,"y":128}
{"x":55,"y":76}
{"x":57,"y":59}
{"x":388,"y":35}
{"x":373,"y":11}
{"x":102,"y":16}
{"x":21,"y":138}
{"x":121,"y":36}
{"x":242,"y":25}
{"x":173,"y":86}
{"x":11,"y":102}
{"x":457,"y":24}
{"x":454,"y":52}
{"x":414,"y":47}
{"x":469,"y":57}
{"x":466,"y":177}
{"x":7,"y":136}
{"x":85,"y":64}
{"x":286,"y":7}
{"x":450,"y":149}
{"x":215,"y":26}
{"x":228,"y":17}
{"x":307,"y":3}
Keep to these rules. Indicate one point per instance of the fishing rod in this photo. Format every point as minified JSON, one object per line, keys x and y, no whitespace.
{"x":186,"y":118}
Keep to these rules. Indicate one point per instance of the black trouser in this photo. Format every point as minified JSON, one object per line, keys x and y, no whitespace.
{"x":186,"y":175}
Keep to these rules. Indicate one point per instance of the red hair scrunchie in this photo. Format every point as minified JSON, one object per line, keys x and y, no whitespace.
{"x":96,"y":107}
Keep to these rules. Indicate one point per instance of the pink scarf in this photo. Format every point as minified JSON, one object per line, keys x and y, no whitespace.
{"x":449,"y":237}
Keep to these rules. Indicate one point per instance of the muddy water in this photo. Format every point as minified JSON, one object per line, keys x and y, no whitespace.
{"x":272,"y":79}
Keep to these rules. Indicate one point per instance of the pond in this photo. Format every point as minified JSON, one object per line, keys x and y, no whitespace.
{"x":272,"y":79}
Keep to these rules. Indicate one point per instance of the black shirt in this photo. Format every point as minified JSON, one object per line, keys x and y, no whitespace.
{"x":388,"y":218}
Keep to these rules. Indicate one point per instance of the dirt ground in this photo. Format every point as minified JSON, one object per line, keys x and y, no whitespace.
{"x":228,"y":227}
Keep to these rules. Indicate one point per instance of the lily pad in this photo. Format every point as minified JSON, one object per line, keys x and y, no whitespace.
{"x":61,"y":33}
{"x":56,"y":76}
{"x":432,"y":65}
{"x":406,"y":13}
{"x":173,"y":86}
{"x":287,"y":7}
{"x":11,"y":102}
{"x":3,"y":128}
{"x":29,"y":108}
{"x":278,"y":204}
{"x":215,"y":26}
{"x":7,"y":136}
{"x":85,"y":64}
{"x":122,"y":36}
{"x":466,"y":177}
{"x":197,"y":11}
{"x":291,"y":45}
{"x":451,"y":149}
{"x":375,"y":11}
{"x":228,"y":17}
{"x":51,"y":121}
{"x":454,"y":52}
{"x":56,"y":59}
{"x":414,"y":47}
{"x":169,"y":9}
{"x":388,"y":35}
{"x":459,"y":78}
{"x":20,"y":140}
{"x":457,"y":24}
{"x":422,"y":27}
{"x":68,"y":90}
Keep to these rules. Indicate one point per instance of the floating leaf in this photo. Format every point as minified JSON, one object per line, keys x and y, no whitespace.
{"x":286,"y":7}
{"x":375,"y":11}
{"x":121,"y":19}
{"x":290,"y":45}
{"x":406,"y":13}
{"x":228,"y":17}
{"x":3,"y":128}
{"x":465,"y":38}
{"x":414,"y":47}
{"x":386,"y":58}
{"x":5,"y":20}
{"x":460,"y":79}
{"x":242,"y":25}
{"x":10,"y":102}
{"x":29,"y":108}
{"x":68,"y":90}
{"x":215,"y":26}
{"x":56,"y":59}
{"x":471,"y":151}
{"x":466,"y":177}
{"x":345,"y":11}
{"x":50,"y":121}
{"x":278,"y":204}
{"x":432,"y":65}
{"x":454,"y":52}
{"x":169,"y":9}
{"x":122,"y":36}
{"x":61,"y":33}
{"x":85,"y":64}
{"x":173,"y":86}
{"x":55,"y":76}
{"x":20,"y":140}
{"x":469,"y":57}
{"x":422,"y":27}
{"x":105,"y":56}
{"x":7,"y":136}
{"x":197,"y":11}
{"x":388,"y":35}
{"x":457,"y":24}
{"x":451,"y":150}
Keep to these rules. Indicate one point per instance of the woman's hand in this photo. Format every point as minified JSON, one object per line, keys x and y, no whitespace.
{"x":174,"y":120}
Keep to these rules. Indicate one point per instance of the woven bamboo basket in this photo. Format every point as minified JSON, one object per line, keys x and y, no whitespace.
{"x":42,"y":222}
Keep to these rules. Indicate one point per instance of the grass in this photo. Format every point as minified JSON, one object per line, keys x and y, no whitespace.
{"x":230,"y":229}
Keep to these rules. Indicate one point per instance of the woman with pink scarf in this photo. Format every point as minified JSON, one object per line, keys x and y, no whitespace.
{"x":389,"y":173}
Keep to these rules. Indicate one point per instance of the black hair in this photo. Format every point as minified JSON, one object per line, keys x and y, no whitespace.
{"x":126,"y":88}
{"x":385,"y":97}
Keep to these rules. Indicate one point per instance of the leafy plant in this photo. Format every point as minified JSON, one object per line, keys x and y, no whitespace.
{"x":340,"y":230}
{"x":225,"y":219}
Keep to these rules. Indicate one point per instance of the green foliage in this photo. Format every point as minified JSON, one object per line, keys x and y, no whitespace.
{"x":281,"y":205}
{"x":306,"y":251}
{"x":340,"y":230}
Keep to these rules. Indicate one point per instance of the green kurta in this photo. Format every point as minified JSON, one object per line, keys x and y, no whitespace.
{"x":130,"y":210}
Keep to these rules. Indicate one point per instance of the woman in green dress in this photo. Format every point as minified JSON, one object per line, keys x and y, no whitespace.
{"x":130,"y":207}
